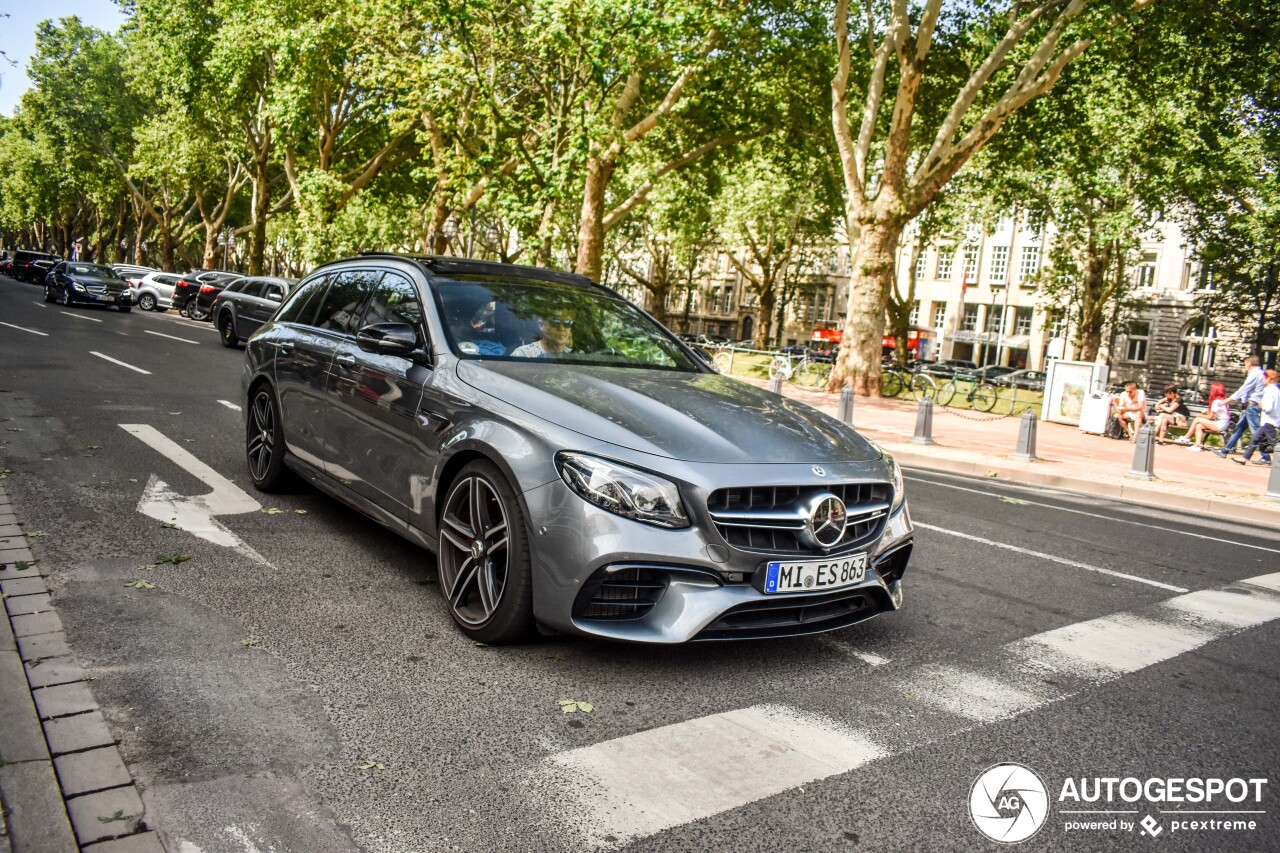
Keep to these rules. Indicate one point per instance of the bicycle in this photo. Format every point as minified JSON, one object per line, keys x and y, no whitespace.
{"x":802,"y":371}
{"x":894,"y":380}
{"x":781,"y":366}
{"x":722,"y":360}
{"x":981,"y":396}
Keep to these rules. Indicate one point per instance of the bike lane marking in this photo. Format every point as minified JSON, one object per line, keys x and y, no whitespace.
{"x":121,"y":363}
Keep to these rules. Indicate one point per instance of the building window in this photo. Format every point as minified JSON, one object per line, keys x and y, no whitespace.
{"x":1028,"y":265}
{"x":945,"y":258}
{"x":1137,"y":336}
{"x":1022,"y":320}
{"x":1147,"y":271}
{"x":970,"y":318}
{"x":971,"y":262}
{"x":1057,"y":325}
{"x":939,"y":315}
{"x":995,"y":320}
{"x":1199,"y":344}
{"x":921,"y":264}
{"x":998,"y":269}
{"x":1207,"y":279}
{"x":913,"y":319}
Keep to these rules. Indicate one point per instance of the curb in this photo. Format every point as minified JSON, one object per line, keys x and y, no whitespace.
{"x":63,"y":784}
{"x":1219,"y":507}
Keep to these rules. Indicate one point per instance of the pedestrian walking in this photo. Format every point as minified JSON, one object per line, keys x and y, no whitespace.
{"x":1269,"y":417}
{"x":1248,"y":395}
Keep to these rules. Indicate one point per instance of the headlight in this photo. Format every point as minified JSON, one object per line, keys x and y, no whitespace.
{"x":899,"y":488}
{"x":623,"y":491}
{"x":78,"y":288}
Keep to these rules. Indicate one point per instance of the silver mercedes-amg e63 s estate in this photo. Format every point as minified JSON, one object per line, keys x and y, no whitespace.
{"x":572,"y":464}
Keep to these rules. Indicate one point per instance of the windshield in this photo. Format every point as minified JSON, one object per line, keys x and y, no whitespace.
{"x":489,"y":317}
{"x":95,"y":270}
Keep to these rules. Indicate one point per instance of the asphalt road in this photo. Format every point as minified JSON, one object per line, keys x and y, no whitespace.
{"x":363,"y":720}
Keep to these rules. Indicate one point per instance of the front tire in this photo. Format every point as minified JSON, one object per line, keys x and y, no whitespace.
{"x":264,"y":442}
{"x":48,"y":293}
{"x":147,"y":302}
{"x":984,"y":398}
{"x":227,"y":329}
{"x":485,"y":567}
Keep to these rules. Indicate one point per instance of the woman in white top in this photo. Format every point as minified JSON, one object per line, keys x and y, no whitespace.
{"x":1214,"y":420}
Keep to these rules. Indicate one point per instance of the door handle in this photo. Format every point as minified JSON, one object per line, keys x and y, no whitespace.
{"x":284,"y":348}
{"x":346,"y":360}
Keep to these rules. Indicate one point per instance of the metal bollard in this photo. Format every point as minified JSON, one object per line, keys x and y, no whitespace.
{"x":845,"y":410}
{"x":1144,"y":453}
{"x":1027,"y":437}
{"x":924,"y":424}
{"x":775,"y":384}
{"x":1273,"y":480}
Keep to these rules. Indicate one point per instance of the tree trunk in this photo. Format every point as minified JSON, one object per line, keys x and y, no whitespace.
{"x":261,"y":211}
{"x":166,"y":242}
{"x":863,"y":338}
{"x":1092,"y":309}
{"x":590,"y":260}
{"x":764,"y":328}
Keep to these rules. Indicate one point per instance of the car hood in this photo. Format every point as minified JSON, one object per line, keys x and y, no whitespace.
{"x":693,"y":417}
{"x":99,"y":281}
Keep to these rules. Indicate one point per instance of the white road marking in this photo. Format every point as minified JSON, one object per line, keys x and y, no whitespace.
{"x":25,"y":329}
{"x":81,"y":317}
{"x":41,"y":304}
{"x":230,"y":405}
{"x":644,"y":783}
{"x":121,"y":363}
{"x":1100,"y":515}
{"x":866,"y":657}
{"x":193,"y":514}
{"x":1053,"y":558}
{"x":172,"y":337}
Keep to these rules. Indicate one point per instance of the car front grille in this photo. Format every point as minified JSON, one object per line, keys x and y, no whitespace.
{"x":790,"y":615}
{"x":629,"y":592}
{"x":769,"y":519}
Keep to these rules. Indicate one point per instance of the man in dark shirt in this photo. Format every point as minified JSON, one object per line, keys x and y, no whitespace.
{"x":1169,"y":411}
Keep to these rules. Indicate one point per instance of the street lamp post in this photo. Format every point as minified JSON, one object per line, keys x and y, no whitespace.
{"x":227,"y":240}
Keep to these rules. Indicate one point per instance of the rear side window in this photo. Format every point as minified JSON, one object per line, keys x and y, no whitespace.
{"x":345,"y":300}
{"x":273,"y":291}
{"x":235,"y":287}
{"x":248,"y":288}
{"x":302,"y":307}
{"x":167,"y":279}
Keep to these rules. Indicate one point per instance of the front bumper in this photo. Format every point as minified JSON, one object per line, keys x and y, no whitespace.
{"x":689,"y":585}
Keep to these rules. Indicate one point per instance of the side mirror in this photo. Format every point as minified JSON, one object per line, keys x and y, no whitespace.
{"x":274,"y":296}
{"x":388,"y":338}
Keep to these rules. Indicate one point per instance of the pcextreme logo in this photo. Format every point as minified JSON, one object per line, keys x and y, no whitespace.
{"x":1008,"y":803}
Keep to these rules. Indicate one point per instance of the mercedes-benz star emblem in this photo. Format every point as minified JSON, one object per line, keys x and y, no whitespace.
{"x":819,"y":470}
{"x":825,"y":524}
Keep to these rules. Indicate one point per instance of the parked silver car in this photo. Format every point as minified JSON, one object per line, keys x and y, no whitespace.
{"x":154,"y":291}
{"x":572,"y":464}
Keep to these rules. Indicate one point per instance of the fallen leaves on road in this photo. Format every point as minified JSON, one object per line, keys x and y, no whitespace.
{"x":93,"y":447}
{"x":372,"y":765}
{"x":555,"y":657}
{"x":4,"y":475}
{"x":169,"y":525}
{"x":35,"y":534}
{"x":23,"y":565}
{"x":1013,"y":501}
{"x":175,"y":559}
{"x":15,"y":429}
{"x":991,"y":474}
{"x":273,"y":511}
{"x":141,"y":584}
{"x":573,"y":706}
{"x":251,"y":641}
{"x":119,"y":815}
{"x":299,"y":512}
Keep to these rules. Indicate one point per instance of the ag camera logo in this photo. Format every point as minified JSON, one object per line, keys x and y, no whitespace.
{"x":1009,"y":803}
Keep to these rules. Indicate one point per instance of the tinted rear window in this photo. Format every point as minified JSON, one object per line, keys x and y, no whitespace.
{"x":302,"y":306}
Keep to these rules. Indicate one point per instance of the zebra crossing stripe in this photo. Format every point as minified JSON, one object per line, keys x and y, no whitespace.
{"x":641,"y":784}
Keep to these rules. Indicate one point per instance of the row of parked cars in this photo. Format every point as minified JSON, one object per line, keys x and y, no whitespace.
{"x":236,"y":304}
{"x":1009,"y":377}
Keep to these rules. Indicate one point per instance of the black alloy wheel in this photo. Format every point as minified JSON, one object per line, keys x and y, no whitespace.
{"x":227,"y":328}
{"x":484,"y":556}
{"x":264,"y":442}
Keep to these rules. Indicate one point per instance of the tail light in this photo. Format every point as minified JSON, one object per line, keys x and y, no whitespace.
{"x":207,"y":288}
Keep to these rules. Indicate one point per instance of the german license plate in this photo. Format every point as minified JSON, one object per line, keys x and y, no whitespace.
{"x":815,"y":575}
{"x":106,"y":299}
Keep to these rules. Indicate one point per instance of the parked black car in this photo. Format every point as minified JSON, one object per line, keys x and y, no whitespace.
{"x":1031,"y":380}
{"x":246,"y":304}
{"x":201,"y":308}
{"x":950,"y":367}
{"x":31,"y":266}
{"x":72,"y":282}
{"x":187,"y":290}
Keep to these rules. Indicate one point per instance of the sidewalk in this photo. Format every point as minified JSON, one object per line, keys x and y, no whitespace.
{"x":981,"y":445}
{"x":63,"y":785}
